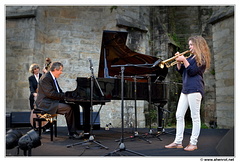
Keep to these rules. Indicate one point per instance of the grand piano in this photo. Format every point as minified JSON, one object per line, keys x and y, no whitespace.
{"x":140,"y":75}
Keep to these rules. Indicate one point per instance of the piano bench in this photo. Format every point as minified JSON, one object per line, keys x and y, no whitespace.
{"x":43,"y":118}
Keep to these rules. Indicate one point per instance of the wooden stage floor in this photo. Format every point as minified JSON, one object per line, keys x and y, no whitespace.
{"x":207,"y":146}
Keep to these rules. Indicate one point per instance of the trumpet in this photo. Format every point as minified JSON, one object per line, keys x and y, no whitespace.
{"x":165,"y":62}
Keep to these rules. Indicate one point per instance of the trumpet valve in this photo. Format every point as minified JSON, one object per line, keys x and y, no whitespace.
{"x":167,"y":65}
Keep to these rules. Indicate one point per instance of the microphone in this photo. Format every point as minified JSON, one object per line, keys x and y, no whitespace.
{"x":91,"y":64}
{"x":156,"y":62}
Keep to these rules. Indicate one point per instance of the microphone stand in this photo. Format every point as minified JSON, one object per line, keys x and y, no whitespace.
{"x":122,"y":146}
{"x":150,"y":133}
{"x":91,"y":137}
{"x":135,"y":132}
{"x":162,"y":118}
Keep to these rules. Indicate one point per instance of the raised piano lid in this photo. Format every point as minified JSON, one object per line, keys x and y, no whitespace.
{"x":115,"y":52}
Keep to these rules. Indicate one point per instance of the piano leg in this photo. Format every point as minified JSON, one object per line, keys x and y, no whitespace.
{"x":160,"y":117}
{"x":76,"y":113}
{"x":87,"y":127}
{"x":86,"y":119}
{"x":162,"y":120}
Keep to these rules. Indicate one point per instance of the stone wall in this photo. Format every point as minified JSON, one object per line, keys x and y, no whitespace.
{"x":172,"y":27}
{"x":20,"y":42}
{"x":223,"y":46}
{"x":72,"y":34}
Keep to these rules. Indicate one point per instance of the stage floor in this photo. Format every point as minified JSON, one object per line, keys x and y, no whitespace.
{"x":208,"y":141}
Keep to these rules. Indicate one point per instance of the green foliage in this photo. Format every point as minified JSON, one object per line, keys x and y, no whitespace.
{"x":188,"y":125}
{"x":174,"y":38}
{"x":113,"y":8}
{"x":151,"y":116}
{"x":212,"y":71}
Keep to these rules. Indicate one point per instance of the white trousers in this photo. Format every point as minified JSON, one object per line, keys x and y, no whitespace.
{"x":192,"y":100}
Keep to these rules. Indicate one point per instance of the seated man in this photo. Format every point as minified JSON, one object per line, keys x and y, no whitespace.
{"x":50,"y":98}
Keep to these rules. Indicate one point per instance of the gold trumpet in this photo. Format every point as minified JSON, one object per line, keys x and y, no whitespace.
{"x":165,"y":62}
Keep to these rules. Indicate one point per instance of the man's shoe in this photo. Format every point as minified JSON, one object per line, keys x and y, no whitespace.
{"x":174,"y":145}
{"x":75,"y":135}
{"x":47,"y":130}
{"x":191,"y":147}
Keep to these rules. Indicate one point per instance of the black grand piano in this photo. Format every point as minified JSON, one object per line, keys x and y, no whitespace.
{"x":115,"y":52}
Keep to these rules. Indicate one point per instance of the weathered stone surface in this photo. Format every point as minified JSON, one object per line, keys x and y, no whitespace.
{"x":72,"y":34}
{"x":223,"y":36}
{"x":67,"y":34}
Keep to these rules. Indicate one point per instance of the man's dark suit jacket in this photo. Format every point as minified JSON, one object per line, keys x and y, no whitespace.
{"x":48,"y":97}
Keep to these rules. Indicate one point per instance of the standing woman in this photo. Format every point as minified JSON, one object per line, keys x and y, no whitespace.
{"x":33,"y":83}
{"x":192,"y":70}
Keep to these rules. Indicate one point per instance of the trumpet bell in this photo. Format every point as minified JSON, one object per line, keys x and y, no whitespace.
{"x":165,"y":62}
{"x":161,"y":65}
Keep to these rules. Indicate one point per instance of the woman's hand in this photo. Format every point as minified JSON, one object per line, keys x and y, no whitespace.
{"x":180,"y":58}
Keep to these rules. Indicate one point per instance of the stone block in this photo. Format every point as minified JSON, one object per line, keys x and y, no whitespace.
{"x":221,"y":34}
{"x":224,"y":106}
